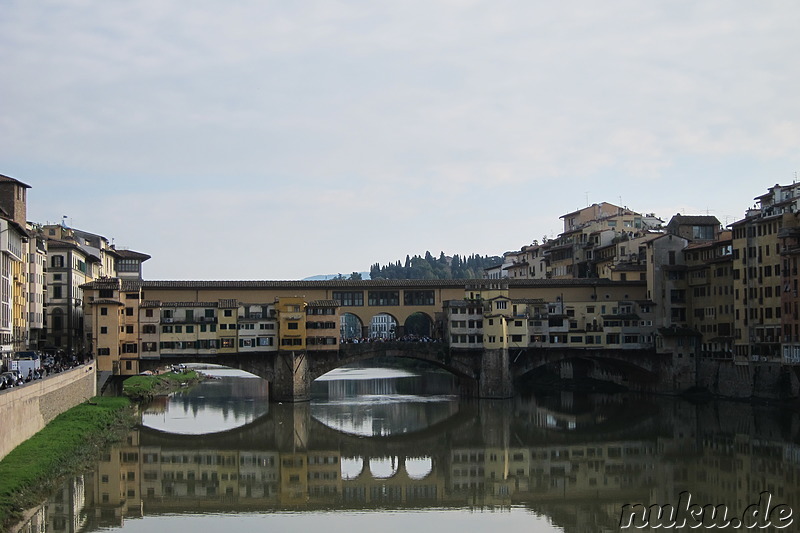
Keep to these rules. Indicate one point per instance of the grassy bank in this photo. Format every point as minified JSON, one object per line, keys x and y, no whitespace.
{"x":140,"y":388}
{"x":65,"y":446}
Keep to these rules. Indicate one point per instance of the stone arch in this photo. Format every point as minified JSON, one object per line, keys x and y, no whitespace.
{"x":384,"y":467}
{"x":350,"y":327}
{"x":418,"y":325}
{"x":351,"y":468}
{"x":623,"y":371}
{"x":418,"y":468}
{"x":383,"y":326}
{"x":57,"y":319}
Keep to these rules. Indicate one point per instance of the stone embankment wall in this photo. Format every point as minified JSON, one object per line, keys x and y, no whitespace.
{"x":771,"y":381}
{"x":26,"y":410}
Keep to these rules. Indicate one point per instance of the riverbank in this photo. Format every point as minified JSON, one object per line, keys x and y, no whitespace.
{"x":143,"y":388}
{"x":65,"y":446}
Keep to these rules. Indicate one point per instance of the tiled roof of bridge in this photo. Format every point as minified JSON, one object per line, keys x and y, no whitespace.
{"x":158,"y":303}
{"x":133,"y":285}
{"x":323,"y":303}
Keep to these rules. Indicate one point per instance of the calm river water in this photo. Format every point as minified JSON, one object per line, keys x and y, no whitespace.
{"x":391,"y":451}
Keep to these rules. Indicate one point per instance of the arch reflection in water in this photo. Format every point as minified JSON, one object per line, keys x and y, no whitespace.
{"x":491,"y":455}
{"x":229,"y":399}
{"x":375,"y":402}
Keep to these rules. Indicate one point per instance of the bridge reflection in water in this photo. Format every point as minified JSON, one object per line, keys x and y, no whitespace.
{"x":574,"y":460}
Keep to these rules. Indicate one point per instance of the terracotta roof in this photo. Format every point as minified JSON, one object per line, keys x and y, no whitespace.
{"x":527,"y":301}
{"x":188,"y":304}
{"x":130,"y":254}
{"x":695,"y":220}
{"x":323,"y":303}
{"x":106,"y":301}
{"x":106,"y":283}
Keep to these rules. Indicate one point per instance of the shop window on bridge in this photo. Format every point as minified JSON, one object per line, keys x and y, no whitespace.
{"x":612,"y":338}
{"x":349,"y":298}
{"x":266,"y":341}
{"x":149,"y":347}
{"x":291,"y":342}
{"x":381,"y":298}
{"x":419,"y":298}
{"x":130,"y":348}
{"x":228,"y":343}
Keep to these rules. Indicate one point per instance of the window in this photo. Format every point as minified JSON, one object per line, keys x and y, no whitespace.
{"x":349,"y":298}
{"x":291,"y":325}
{"x":57,"y":291}
{"x":419,"y":298}
{"x":127,"y":265}
{"x":103,"y":330}
{"x":501,"y":304}
{"x":104,"y":311}
{"x":228,"y":312}
{"x":380,"y":298}
{"x":129,"y":311}
{"x":57,"y":261}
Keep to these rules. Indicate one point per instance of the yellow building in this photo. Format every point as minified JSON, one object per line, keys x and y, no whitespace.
{"x":291,"y":323}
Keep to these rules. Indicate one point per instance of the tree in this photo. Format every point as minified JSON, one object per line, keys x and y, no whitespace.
{"x":355,"y":276}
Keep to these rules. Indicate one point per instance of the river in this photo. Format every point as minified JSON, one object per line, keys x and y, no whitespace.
{"x":394,"y":451}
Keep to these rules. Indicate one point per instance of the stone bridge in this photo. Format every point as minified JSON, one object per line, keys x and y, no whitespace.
{"x":479,"y":373}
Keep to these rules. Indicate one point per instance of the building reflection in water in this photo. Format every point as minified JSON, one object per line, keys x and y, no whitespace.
{"x":576,"y":460}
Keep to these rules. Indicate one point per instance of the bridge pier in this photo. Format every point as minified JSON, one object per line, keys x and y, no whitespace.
{"x":291,"y":382}
{"x":495,"y":377}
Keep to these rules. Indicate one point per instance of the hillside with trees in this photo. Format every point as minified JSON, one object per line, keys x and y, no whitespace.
{"x":429,"y":267}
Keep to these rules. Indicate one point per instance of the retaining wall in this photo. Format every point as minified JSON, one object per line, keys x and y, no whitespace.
{"x":771,"y":381}
{"x":26,"y":410}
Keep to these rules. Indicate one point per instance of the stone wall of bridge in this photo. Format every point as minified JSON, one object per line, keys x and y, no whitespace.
{"x":771,"y":381}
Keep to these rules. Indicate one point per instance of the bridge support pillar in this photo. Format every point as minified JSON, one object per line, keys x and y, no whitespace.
{"x":291,"y":383}
{"x":495,"y":378}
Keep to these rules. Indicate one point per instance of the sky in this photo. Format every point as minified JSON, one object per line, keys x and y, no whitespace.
{"x":280,"y":140}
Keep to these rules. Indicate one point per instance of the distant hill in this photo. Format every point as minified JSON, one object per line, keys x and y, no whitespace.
{"x":325,"y":277}
{"x":429,"y":267}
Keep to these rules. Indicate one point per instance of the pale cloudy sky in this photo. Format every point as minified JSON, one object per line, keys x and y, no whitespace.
{"x":278,"y":140}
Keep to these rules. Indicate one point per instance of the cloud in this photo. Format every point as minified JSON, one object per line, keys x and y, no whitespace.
{"x":380,"y":117}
